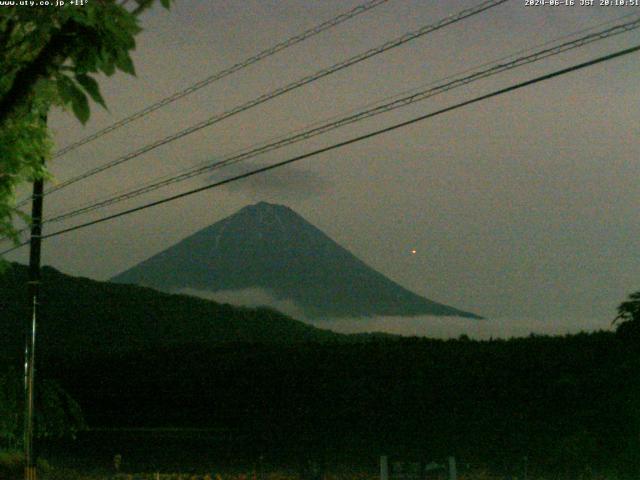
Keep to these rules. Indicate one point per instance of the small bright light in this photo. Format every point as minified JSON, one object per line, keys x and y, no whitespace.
{"x":413,"y":251}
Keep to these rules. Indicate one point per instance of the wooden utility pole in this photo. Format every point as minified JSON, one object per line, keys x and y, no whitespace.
{"x":30,"y":331}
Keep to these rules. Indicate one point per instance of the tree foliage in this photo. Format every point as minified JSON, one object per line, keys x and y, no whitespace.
{"x":629,"y":314}
{"x":50,"y":57}
{"x":58,"y":415}
{"x":630,"y":310}
{"x":147,"y":359}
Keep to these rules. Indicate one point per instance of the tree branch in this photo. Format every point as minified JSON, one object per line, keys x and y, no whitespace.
{"x":142,"y":6}
{"x":51,"y":56}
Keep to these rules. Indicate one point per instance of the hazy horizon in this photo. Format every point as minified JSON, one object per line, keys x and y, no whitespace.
{"x":423,"y":326}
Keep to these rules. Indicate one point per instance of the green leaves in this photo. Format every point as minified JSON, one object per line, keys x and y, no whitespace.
{"x":71,"y":94}
{"x":80,"y":106}
{"x":91,"y":87}
{"x":124,"y":63}
{"x":101,"y":37}
{"x":10,"y":407}
{"x":51,"y":57}
{"x":58,"y":415}
{"x":629,"y":314}
{"x":630,"y":310}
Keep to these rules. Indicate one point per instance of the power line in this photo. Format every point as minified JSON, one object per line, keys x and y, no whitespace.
{"x":335,"y":146}
{"x":398,"y":101}
{"x":396,"y":96}
{"x":353,"y":118}
{"x":407,"y":37}
{"x":343,"y":17}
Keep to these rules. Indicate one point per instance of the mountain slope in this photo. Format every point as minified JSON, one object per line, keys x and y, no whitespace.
{"x":271,"y":247}
{"x":79,"y":315}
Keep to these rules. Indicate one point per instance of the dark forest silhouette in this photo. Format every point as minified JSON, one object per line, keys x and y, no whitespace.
{"x":569,"y":404}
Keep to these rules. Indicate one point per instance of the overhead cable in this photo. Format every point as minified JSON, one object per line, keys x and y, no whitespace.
{"x":343,"y":17}
{"x":349,"y":119}
{"x":449,"y":20}
{"x":335,"y":146}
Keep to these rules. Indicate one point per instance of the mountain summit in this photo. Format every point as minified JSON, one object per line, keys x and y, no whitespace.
{"x":271,"y":247}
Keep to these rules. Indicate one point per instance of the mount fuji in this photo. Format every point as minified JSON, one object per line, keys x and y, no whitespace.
{"x":270,"y":247}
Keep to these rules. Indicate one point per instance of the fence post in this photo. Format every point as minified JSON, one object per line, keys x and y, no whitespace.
{"x":384,"y":467}
{"x":453,"y":473}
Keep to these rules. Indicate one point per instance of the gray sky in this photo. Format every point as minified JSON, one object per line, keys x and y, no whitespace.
{"x":523,"y":206}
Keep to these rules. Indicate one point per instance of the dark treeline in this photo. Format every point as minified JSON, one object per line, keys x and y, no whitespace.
{"x":567,"y":403}
{"x":269,"y":385}
{"x":80,"y":315}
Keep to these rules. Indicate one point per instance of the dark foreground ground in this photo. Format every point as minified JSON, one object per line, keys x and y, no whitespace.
{"x":569,"y":405}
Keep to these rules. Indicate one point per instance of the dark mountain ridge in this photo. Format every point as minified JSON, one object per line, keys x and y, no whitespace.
{"x":79,"y":315}
{"x":271,"y":247}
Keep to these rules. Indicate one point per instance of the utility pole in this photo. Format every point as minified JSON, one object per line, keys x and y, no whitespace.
{"x":30,"y":330}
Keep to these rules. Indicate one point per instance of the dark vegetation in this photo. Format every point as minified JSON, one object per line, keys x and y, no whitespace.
{"x":55,"y":66}
{"x":569,"y":404}
{"x":81,"y":316}
{"x":566,"y":403}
